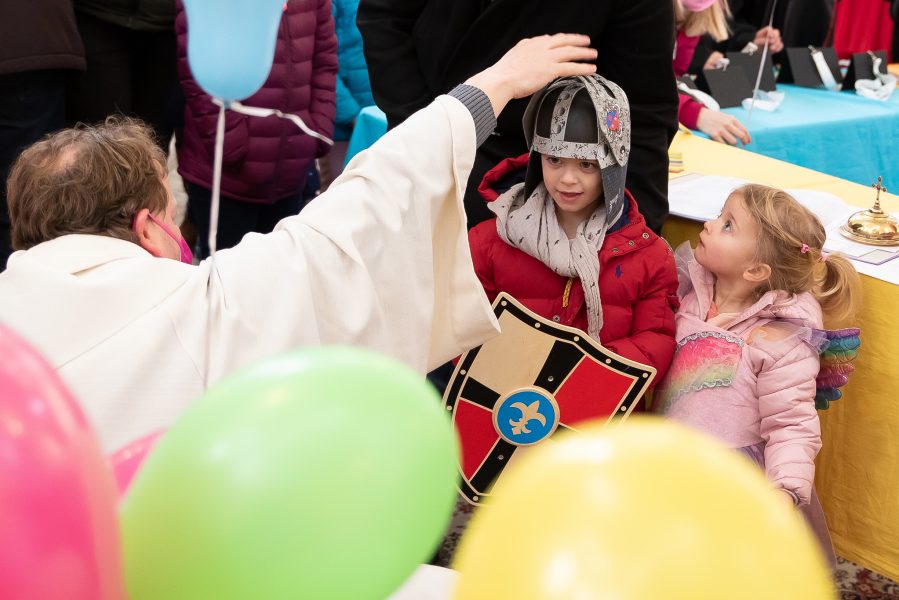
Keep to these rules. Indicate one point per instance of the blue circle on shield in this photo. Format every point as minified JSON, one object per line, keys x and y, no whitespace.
{"x":526,"y":416}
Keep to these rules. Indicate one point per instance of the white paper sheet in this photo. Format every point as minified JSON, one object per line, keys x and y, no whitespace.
{"x":700,"y":198}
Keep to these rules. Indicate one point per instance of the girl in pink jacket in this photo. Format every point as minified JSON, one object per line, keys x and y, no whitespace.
{"x":754,"y":296}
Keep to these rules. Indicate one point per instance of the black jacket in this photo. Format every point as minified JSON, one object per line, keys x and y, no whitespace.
{"x":419,"y":49}
{"x":140,"y":15}
{"x":801,"y":23}
{"x":37,"y":35}
{"x":745,"y":21}
{"x":894,"y":12}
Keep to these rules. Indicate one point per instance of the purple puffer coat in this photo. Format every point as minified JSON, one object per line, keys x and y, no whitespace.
{"x":266,"y":159}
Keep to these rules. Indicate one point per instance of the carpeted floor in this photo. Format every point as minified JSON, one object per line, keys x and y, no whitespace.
{"x":853,"y":582}
{"x":857,"y":583}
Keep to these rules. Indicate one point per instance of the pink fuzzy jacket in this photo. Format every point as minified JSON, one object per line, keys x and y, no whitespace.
{"x":752,"y":382}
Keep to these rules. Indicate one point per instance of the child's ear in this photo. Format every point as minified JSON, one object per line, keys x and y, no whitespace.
{"x":757,"y":273}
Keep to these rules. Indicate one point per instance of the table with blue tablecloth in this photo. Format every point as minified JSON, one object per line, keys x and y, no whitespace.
{"x":370,"y":125}
{"x":838,"y":133}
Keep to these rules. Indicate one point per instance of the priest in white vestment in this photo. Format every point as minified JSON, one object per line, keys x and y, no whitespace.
{"x":380,"y":260}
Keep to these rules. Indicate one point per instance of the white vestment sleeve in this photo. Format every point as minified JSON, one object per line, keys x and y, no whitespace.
{"x":380,"y":260}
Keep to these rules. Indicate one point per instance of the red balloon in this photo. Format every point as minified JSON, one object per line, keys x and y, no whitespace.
{"x":59,"y":533}
{"x":126,"y":462}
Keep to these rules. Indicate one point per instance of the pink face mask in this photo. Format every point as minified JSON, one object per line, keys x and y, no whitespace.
{"x":186,"y":255}
{"x":697,"y":5}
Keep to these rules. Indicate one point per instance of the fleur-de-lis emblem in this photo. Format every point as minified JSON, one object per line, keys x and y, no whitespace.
{"x":529,"y":412}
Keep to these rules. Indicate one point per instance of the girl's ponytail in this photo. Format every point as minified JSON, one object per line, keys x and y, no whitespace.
{"x":837,"y":290}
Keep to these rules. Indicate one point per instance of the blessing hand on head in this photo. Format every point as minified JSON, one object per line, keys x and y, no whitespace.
{"x":531,"y":64}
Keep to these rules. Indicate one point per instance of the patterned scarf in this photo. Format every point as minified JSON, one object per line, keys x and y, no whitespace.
{"x":530,"y":224}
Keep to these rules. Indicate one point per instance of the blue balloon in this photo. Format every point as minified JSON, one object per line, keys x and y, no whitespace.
{"x":231,"y":44}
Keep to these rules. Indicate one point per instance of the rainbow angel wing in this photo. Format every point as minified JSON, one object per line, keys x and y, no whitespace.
{"x":837,"y":359}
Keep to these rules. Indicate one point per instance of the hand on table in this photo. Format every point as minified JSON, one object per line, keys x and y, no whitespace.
{"x":775,"y":44}
{"x":722,"y":127}
{"x":531,"y":64}
{"x":712,"y":62}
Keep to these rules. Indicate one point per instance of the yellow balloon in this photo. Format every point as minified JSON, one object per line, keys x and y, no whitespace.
{"x":647,"y":510}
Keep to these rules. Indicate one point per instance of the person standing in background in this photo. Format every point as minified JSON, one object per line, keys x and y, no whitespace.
{"x":796,"y":23}
{"x":130,"y":51}
{"x":415,"y":49}
{"x":743,"y":27}
{"x":894,"y":13}
{"x":860,"y":26}
{"x":353,"y":86}
{"x":803,"y":22}
{"x":697,"y":18}
{"x":266,"y":161}
{"x":39,"y":46}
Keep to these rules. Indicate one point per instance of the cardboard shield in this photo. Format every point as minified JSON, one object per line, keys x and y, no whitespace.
{"x":531,"y":381}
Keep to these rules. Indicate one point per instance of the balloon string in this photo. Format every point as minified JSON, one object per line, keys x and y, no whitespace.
{"x":213,"y":232}
{"x":252,"y":111}
{"x":758,"y":77}
{"x":255,"y":111}
{"x":216,"y":179}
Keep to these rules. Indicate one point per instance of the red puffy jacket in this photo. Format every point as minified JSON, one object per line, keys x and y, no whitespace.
{"x":266,"y":159}
{"x":637,"y":281}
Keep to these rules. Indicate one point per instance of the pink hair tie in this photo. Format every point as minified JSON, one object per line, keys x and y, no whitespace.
{"x":804,"y":249}
{"x":824,"y":256}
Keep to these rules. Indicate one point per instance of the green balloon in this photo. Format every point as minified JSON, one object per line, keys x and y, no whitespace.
{"x":325,"y":473}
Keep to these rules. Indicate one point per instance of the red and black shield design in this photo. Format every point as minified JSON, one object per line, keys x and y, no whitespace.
{"x":525,"y":385}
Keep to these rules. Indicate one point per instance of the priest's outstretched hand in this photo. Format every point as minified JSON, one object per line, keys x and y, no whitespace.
{"x":531,"y":64}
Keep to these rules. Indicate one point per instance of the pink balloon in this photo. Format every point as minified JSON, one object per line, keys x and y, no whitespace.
{"x":59,"y":533}
{"x":126,"y":461}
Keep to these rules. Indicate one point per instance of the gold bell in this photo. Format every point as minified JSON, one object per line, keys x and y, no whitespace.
{"x":873,"y":226}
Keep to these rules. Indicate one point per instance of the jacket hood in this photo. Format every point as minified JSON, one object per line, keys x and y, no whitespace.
{"x":503,"y":176}
{"x":511,"y":172}
{"x":802,"y":309}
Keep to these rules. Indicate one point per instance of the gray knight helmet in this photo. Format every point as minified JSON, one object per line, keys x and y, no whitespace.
{"x":586,"y":118}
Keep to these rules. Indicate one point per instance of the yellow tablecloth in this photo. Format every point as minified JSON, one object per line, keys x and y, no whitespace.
{"x":858,"y":468}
